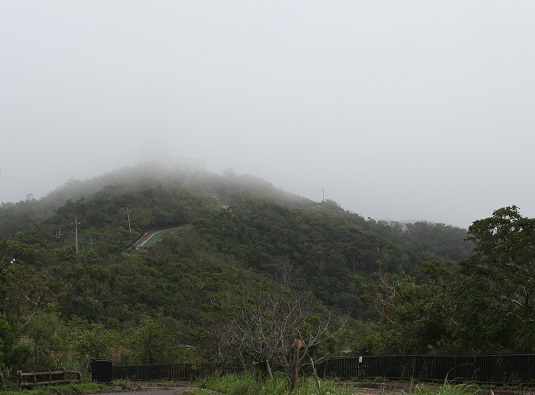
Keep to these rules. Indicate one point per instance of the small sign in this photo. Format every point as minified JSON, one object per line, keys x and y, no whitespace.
{"x":360,"y":359}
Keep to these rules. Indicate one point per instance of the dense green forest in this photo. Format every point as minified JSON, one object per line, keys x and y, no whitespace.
{"x":248,"y":269}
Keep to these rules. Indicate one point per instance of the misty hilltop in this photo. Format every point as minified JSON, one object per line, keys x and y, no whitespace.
{"x":226,"y":189}
{"x":262,"y":227}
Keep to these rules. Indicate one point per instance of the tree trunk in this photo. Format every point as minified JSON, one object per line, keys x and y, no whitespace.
{"x":242,"y":360}
{"x":295,"y":368}
{"x":224,"y":366}
{"x":268,"y":368}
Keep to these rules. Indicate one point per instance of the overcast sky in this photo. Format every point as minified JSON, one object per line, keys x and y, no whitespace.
{"x":401,"y":110}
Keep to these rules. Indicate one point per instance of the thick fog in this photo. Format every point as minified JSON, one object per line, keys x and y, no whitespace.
{"x":399,"y":110}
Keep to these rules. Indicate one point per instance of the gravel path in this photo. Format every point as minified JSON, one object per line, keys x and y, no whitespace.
{"x":151,"y":391}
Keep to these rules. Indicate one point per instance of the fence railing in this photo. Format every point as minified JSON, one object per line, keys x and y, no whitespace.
{"x":48,"y":378}
{"x":174,"y":371}
{"x":492,"y":369}
{"x":497,"y":369}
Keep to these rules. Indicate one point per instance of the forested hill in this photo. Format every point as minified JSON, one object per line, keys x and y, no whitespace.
{"x":335,"y":253}
{"x":234,"y":231}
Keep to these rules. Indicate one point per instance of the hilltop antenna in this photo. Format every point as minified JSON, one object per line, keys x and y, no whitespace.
{"x":76,"y":223}
{"x":323,"y":191}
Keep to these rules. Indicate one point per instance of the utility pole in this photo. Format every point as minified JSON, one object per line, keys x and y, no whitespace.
{"x":76,"y":223}
{"x":323,"y":198}
{"x":128,"y":215}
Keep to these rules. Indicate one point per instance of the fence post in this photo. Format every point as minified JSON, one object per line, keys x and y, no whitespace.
{"x":102,"y":371}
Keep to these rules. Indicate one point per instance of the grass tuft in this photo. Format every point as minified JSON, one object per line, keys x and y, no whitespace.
{"x":446,"y":389}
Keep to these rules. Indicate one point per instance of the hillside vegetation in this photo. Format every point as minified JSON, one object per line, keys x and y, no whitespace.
{"x":241,"y":251}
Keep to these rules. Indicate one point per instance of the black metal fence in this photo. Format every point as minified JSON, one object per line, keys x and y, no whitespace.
{"x":101,"y":371}
{"x":497,"y":369}
{"x":175,"y":371}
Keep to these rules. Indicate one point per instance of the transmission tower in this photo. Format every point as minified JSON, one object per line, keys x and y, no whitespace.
{"x":76,"y":223}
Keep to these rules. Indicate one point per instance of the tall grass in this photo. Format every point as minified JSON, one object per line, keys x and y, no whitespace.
{"x":446,"y":389}
{"x":312,"y":386}
{"x":248,"y":384}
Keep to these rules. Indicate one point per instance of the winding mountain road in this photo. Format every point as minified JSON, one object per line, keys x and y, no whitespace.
{"x":152,"y":237}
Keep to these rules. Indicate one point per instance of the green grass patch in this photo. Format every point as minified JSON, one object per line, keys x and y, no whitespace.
{"x":62,"y":389}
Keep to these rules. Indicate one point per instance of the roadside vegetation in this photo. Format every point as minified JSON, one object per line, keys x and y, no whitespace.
{"x":248,"y":384}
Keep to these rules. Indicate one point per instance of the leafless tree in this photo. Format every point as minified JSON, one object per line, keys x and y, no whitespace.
{"x":265,"y":322}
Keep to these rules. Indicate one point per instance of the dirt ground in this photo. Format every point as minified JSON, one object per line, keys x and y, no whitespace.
{"x":175,"y":388}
